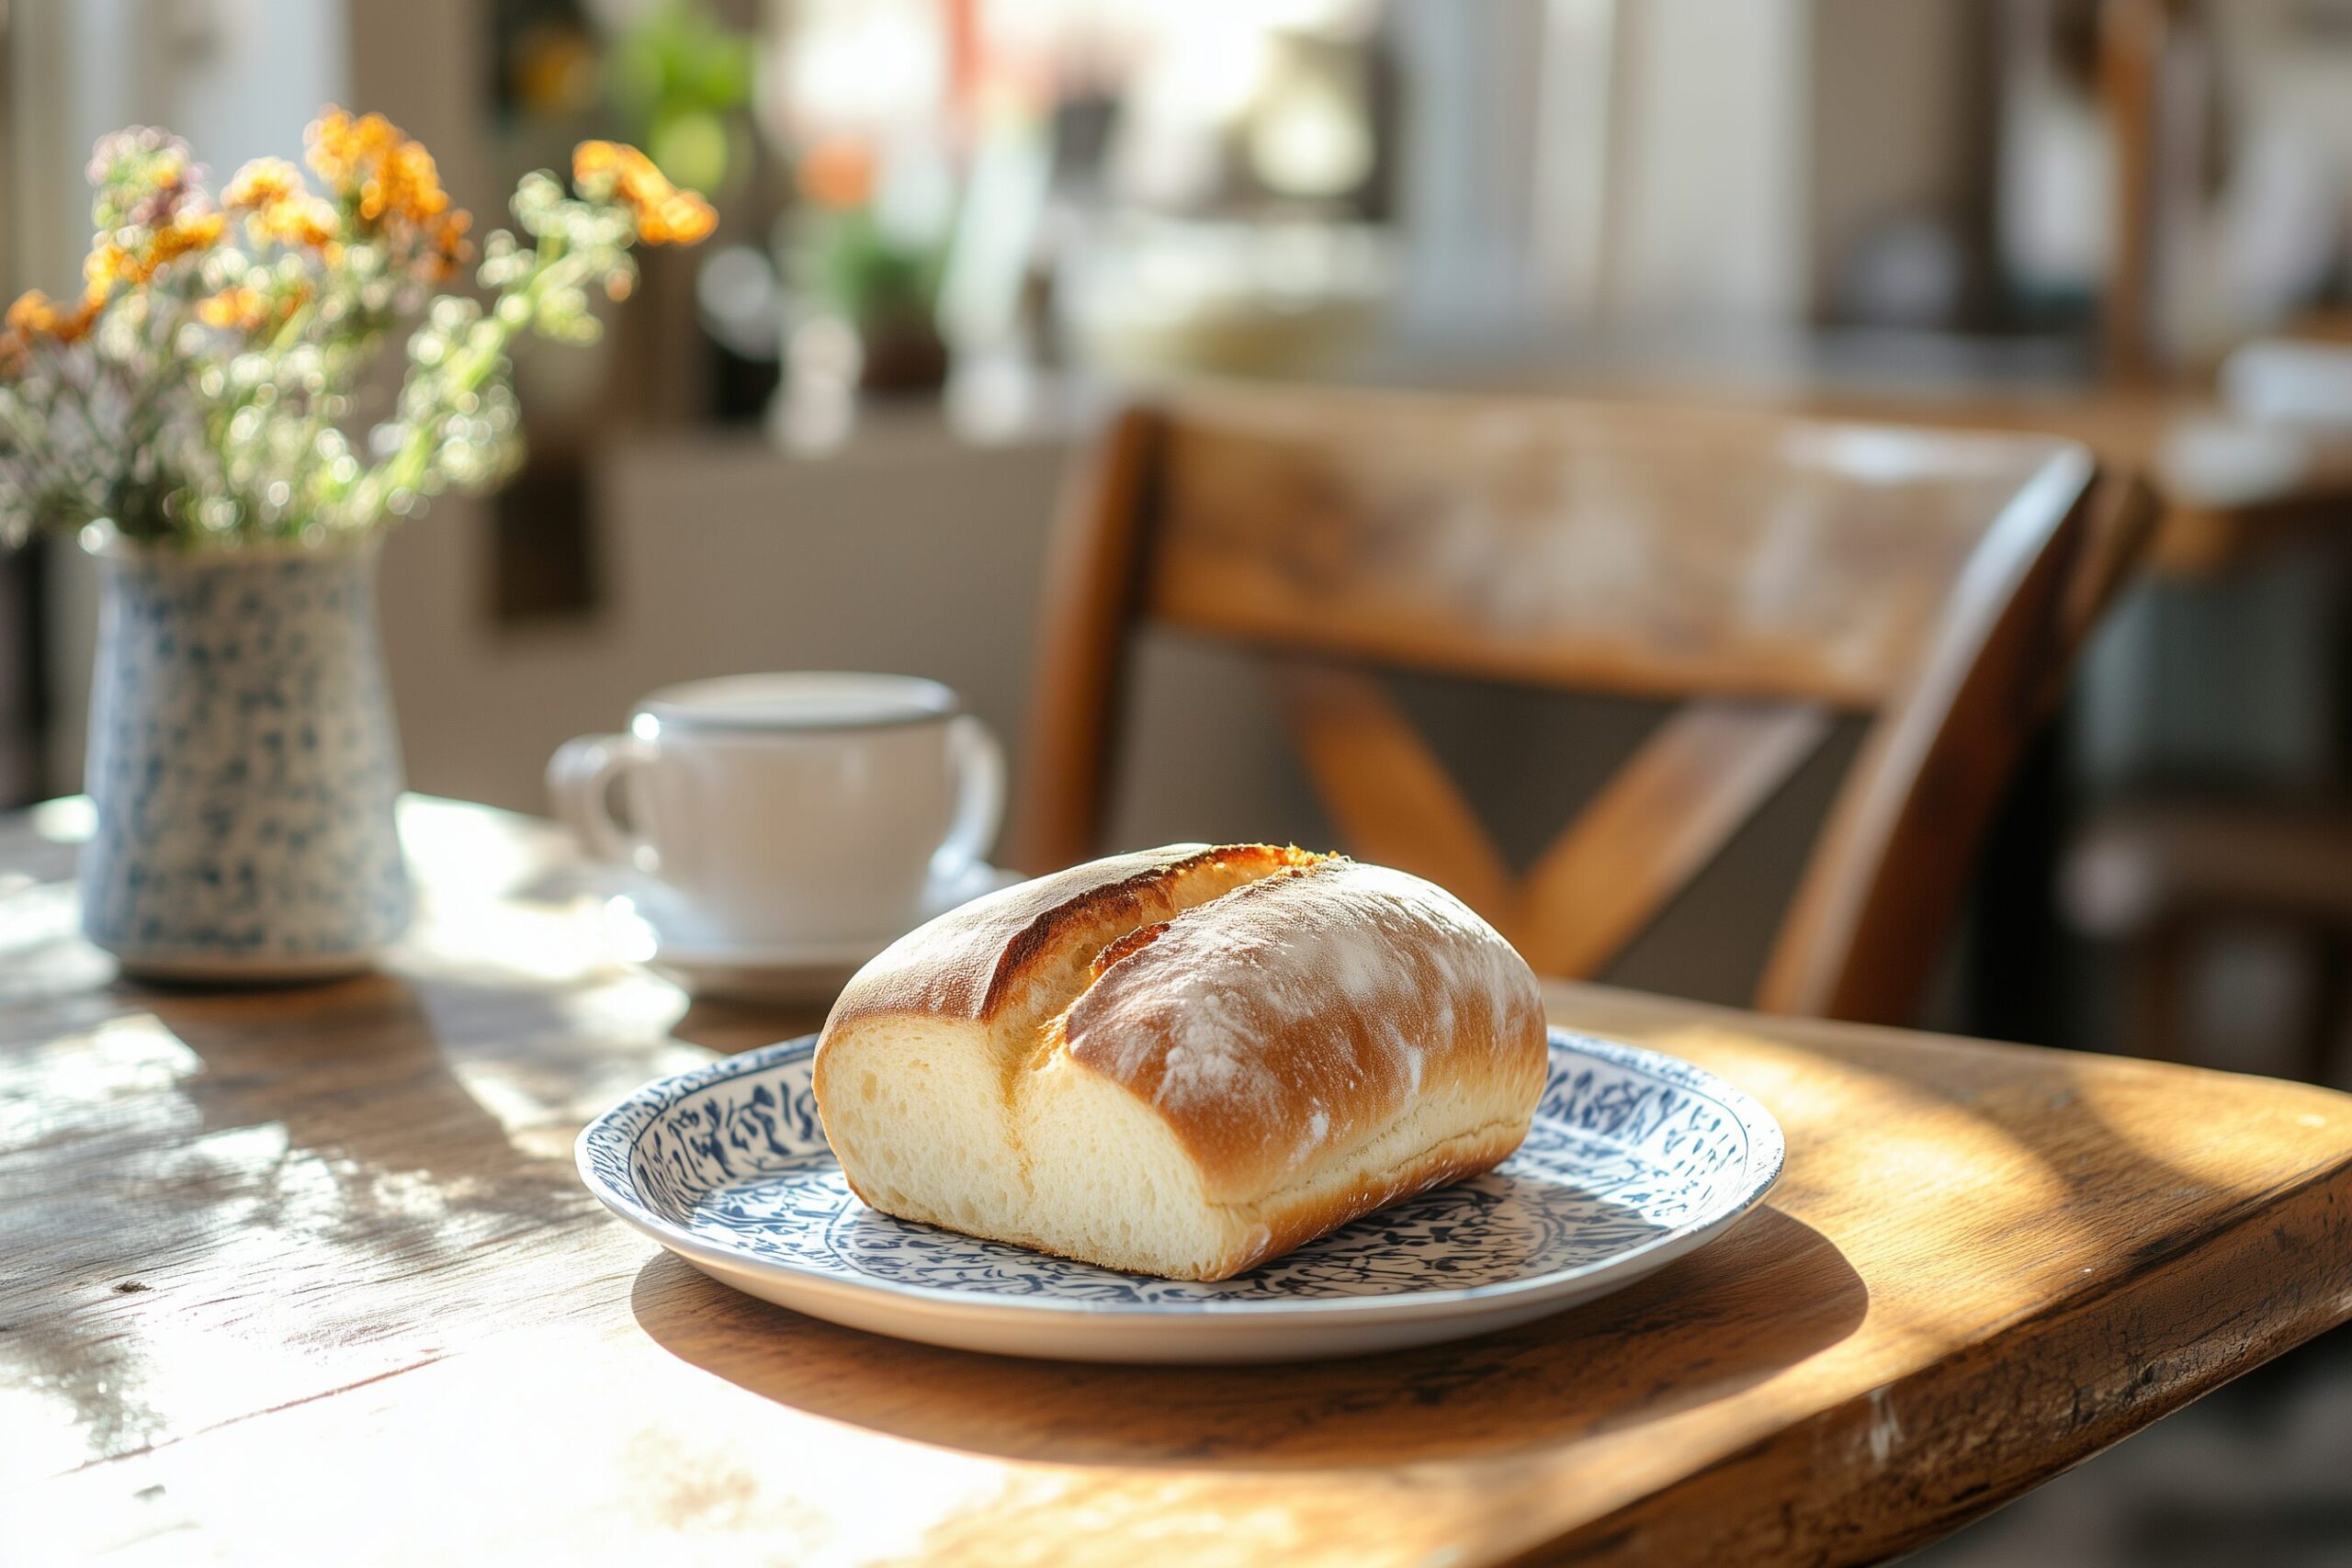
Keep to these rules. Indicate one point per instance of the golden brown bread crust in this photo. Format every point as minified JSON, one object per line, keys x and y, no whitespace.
{"x":979,"y":961}
{"x":1293,"y":1019}
{"x":1294,"y":1224}
{"x":1320,"y":1036}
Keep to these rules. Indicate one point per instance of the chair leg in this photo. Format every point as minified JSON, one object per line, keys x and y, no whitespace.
{"x":2323,"y":1022}
{"x":2159,"y":991}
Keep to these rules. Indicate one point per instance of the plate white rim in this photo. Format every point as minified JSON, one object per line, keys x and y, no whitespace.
{"x":1765,"y":1151}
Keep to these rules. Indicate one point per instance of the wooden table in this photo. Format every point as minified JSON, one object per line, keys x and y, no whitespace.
{"x":306,"y":1276}
{"x":2228,"y":487}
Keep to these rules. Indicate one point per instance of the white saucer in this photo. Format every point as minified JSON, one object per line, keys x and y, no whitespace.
{"x":645,"y":927}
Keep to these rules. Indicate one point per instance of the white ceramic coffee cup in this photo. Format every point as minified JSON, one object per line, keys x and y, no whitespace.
{"x":791,"y":808}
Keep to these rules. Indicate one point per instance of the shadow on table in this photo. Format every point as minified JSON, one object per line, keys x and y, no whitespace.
{"x":1765,"y":1297}
{"x":203,"y":1139}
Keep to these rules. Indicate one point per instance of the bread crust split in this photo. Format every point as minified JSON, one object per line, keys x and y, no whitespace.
{"x":1181,"y":1062}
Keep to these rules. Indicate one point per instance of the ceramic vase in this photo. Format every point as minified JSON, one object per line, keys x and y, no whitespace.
{"x":243,"y":765}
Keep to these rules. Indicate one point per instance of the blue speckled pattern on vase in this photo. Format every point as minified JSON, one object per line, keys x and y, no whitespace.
{"x":1630,"y":1151}
{"x":243,"y":765}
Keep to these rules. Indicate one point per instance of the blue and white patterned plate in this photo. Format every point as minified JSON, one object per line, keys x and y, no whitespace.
{"x":1635,"y":1160}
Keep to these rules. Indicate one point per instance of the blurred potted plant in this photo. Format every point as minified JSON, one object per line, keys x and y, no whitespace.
{"x":682,"y":79}
{"x":854,"y":266}
{"x":185,"y":419}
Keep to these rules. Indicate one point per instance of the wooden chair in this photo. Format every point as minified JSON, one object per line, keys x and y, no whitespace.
{"x":1770,"y":573}
{"x":2162,"y":877}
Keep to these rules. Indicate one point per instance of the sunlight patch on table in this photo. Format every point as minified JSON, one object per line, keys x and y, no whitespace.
{"x":68,"y":819}
{"x":120,"y":1065}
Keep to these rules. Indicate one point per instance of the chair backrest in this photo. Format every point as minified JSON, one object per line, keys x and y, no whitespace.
{"x":1767,"y":573}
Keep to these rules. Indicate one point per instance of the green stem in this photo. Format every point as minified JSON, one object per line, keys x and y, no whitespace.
{"x":296,"y":323}
{"x":472,"y":363}
{"x":145,"y":420}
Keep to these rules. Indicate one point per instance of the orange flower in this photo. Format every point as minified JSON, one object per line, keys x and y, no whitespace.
{"x":108,"y":264}
{"x":595,"y":164}
{"x":447,"y":238}
{"x":388,"y":178}
{"x":607,"y":171}
{"x":244,"y":310}
{"x":342,"y":150}
{"x":186,"y":233}
{"x":262,"y":185}
{"x":684,"y":218}
{"x":36,"y":315}
{"x":405,"y":182}
{"x":300,"y":220}
{"x":281,"y":211}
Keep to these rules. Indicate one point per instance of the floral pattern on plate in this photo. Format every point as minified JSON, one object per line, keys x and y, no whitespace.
{"x":1629,"y":1150}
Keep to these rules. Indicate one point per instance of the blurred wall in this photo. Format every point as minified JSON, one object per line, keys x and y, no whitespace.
{"x":914,"y":554}
{"x":1707,"y":224}
{"x":1678,"y":167}
{"x":1588,"y":162}
{"x":1899,"y":130}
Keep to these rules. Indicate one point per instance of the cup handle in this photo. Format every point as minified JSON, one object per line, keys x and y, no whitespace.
{"x":580,"y":783}
{"x":980,"y":811}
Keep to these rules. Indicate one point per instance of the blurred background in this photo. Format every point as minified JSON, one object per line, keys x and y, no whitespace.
{"x":954,"y":231}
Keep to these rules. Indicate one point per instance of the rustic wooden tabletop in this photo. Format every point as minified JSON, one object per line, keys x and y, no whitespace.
{"x":308,"y":1274}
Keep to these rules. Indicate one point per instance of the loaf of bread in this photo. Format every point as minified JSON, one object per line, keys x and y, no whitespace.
{"x":1182,"y":1062}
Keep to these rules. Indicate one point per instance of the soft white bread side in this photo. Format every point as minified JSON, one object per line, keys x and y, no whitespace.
{"x":1182,"y":1062}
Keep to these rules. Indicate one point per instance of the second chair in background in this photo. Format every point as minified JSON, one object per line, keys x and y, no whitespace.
{"x":1766,"y":573}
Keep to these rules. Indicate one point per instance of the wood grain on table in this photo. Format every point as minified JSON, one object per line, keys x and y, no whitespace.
{"x":309,"y":1272}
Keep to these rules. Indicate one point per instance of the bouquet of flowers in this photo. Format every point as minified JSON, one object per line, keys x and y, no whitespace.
{"x":198,"y":392}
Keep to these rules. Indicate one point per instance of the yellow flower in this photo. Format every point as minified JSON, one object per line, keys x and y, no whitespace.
{"x":280,"y":209}
{"x":607,"y":171}
{"x":186,"y":233}
{"x":300,"y":220}
{"x":33,"y":311}
{"x":170,"y":169}
{"x":242,"y":308}
{"x":108,"y":264}
{"x":35,"y":314}
{"x":262,"y":185}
